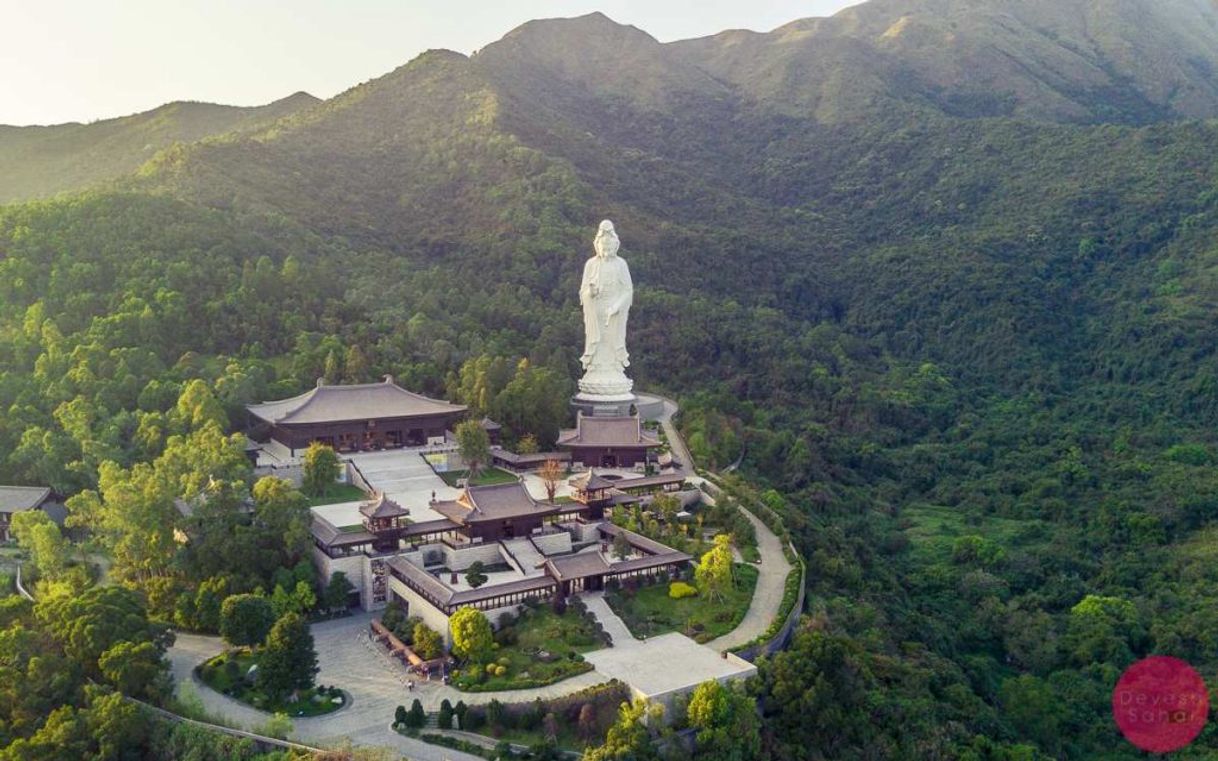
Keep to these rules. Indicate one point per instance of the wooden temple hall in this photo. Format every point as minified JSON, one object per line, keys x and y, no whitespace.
{"x":353,"y":418}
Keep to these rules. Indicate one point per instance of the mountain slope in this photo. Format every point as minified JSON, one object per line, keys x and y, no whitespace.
{"x":1059,"y":60}
{"x":43,"y":161}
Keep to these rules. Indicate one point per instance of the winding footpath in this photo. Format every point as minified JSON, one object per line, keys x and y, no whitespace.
{"x":376,"y":684}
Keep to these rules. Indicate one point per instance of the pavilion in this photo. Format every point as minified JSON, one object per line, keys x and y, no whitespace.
{"x":608,"y":441}
{"x":353,"y":418}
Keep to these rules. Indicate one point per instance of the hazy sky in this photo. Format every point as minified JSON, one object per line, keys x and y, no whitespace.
{"x":80,"y":60}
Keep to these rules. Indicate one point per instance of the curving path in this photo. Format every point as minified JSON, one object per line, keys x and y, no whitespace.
{"x":767,"y":597}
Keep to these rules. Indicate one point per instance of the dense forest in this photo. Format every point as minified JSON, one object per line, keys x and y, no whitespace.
{"x":969,"y":355}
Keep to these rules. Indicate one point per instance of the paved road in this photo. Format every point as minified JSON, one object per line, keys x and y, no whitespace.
{"x":675,"y":442}
{"x":767,"y":598}
{"x":614,"y":625}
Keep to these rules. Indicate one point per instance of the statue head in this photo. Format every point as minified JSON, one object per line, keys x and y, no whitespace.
{"x":606,"y":243}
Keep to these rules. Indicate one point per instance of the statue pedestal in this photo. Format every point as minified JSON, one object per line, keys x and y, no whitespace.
{"x":604,"y":405}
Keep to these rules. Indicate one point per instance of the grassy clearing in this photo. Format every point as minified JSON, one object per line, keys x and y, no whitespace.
{"x":934,"y":529}
{"x":339,"y":493}
{"x":541,"y":648}
{"x":229,"y":680}
{"x":649,"y":610}
{"x":486,"y":477}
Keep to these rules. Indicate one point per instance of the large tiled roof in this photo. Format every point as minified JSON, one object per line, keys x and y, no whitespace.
{"x":364,"y":401}
{"x":578,"y":566}
{"x":15,"y":499}
{"x":606,"y":431}
{"x":491,"y":502}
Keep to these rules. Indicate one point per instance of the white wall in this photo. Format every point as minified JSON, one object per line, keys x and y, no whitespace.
{"x":463,"y":558}
{"x":354,"y":566}
{"x":417,"y":606}
{"x":553,"y":544}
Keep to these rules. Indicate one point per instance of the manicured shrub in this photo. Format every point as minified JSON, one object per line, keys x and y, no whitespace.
{"x":679,"y":590}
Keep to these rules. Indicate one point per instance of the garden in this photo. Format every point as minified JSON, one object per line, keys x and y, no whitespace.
{"x":230,"y":674}
{"x":543,"y":645}
{"x":648,"y":610}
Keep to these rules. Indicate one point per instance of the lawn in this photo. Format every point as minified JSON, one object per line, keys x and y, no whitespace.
{"x":486,"y":477}
{"x":541,"y":648}
{"x":228,"y":680}
{"x":649,"y":610}
{"x":339,"y":493}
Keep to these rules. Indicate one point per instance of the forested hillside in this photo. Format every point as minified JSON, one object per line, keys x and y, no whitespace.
{"x":965,"y":344}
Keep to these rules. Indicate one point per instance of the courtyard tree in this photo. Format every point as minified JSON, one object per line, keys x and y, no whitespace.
{"x":528,"y":444}
{"x":476,"y":575}
{"x":551,"y":473}
{"x":417,"y":716}
{"x":245,"y":620}
{"x":427,"y":642}
{"x":474,"y":446}
{"x":338,"y":591}
{"x":37,"y":533}
{"x":284,"y":512}
{"x":714,"y":571}
{"x":287,"y":662}
{"x":321,"y":469}
{"x":621,"y":547}
{"x":472,"y":636}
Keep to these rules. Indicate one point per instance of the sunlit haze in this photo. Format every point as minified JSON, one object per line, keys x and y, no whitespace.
{"x":81,"y":61}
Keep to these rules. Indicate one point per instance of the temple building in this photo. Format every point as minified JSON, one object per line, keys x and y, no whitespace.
{"x":19,"y":499}
{"x":352,"y":418}
{"x":608,"y":441}
{"x":530,"y":549}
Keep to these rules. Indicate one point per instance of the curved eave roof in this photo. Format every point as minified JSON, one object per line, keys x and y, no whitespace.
{"x":363,"y":401}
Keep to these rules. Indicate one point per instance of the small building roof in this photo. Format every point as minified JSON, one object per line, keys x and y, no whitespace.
{"x":16,"y":499}
{"x":578,"y":566}
{"x":488,"y":424}
{"x":380,"y":506}
{"x":362,"y":401}
{"x":591,"y":481}
{"x":607,"y":431}
{"x":491,"y":502}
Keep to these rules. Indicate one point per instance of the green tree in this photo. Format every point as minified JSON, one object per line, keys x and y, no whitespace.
{"x":338,"y":591}
{"x":727,"y":722}
{"x":287,"y":662}
{"x":472,"y":635}
{"x":321,"y":469}
{"x":475,"y":575}
{"x":284,"y":511}
{"x":138,"y":670}
{"x":713,"y":573}
{"x":245,"y":620}
{"x":426,"y":641}
{"x":35,"y":531}
{"x":630,"y":739}
{"x":417,"y":716}
{"x":474,"y":446}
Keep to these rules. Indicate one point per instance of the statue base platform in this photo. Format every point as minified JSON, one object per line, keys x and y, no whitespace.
{"x":604,"y":405}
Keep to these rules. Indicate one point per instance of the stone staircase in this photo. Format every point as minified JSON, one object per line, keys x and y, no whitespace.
{"x":522,"y":555}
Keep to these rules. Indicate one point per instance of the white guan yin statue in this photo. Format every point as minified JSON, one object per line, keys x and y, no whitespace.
{"x":606,"y":294}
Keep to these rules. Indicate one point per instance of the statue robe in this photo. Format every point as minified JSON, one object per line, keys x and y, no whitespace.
{"x":605,"y":335}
